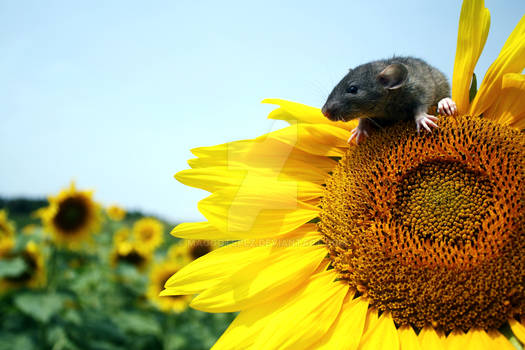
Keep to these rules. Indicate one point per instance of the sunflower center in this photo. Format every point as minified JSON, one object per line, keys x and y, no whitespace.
{"x":72,"y":214}
{"x":200,"y":248}
{"x":431,"y":227}
{"x":442,"y":202}
{"x":133,"y":257}
{"x":28,"y":272}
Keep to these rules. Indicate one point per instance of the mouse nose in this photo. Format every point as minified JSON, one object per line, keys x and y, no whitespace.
{"x":325,"y":111}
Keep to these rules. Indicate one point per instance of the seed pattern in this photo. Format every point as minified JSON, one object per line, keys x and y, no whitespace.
{"x":431,"y":227}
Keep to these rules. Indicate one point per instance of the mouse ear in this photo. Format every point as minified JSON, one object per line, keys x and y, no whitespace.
{"x":393,"y":76}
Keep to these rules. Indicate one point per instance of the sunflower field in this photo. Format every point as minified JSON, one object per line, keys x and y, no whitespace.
{"x":74,"y":275}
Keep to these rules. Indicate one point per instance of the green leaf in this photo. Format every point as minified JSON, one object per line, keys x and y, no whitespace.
{"x":473,"y":87}
{"x":137,"y":323}
{"x":12,"y":267}
{"x":39,"y":306}
{"x":19,"y":341}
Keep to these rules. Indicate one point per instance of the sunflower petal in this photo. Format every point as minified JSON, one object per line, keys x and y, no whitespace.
{"x":318,"y":139}
{"x":510,"y":60}
{"x":518,"y":329}
{"x":429,"y":338}
{"x":293,"y":112}
{"x":260,"y":281}
{"x":199,"y":230}
{"x":408,"y":339}
{"x":474,"y":23}
{"x":500,"y":341}
{"x":265,"y":156}
{"x":244,"y":330}
{"x":347,"y":329}
{"x":313,"y":309}
{"x":509,"y":109}
{"x":213,"y":268}
{"x":256,"y":212}
{"x":457,"y":339}
{"x":481,"y":340}
{"x":381,"y":335}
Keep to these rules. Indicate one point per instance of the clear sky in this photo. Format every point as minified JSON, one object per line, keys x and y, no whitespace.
{"x":113,"y":94}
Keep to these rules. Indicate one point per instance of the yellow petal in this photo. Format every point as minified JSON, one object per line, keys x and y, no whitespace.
{"x":264,"y":156}
{"x":244,"y":330}
{"x":212,"y":178}
{"x":222,"y":263}
{"x":347,"y":329}
{"x":457,"y":340}
{"x":499,"y":341}
{"x":318,"y":139}
{"x":199,"y":230}
{"x":213,"y":268}
{"x":216,"y":178}
{"x":510,"y":60}
{"x":429,"y":338}
{"x":381,"y":334}
{"x":509,"y":109}
{"x":474,"y":23}
{"x":293,"y":112}
{"x":408,"y":339}
{"x":481,"y":340}
{"x":518,"y":329}
{"x":283,"y":270}
{"x":307,"y":316}
{"x":255,"y":212}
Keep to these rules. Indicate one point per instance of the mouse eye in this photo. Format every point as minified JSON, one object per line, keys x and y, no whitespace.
{"x":352,"y":89}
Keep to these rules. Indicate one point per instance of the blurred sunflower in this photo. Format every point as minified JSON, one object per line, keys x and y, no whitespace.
{"x":72,"y":216}
{"x":123,"y":234}
{"x":130,"y":253}
{"x":406,"y":241}
{"x":148,"y":233}
{"x":158,"y":277}
{"x":115,"y":212}
{"x":7,"y":233}
{"x":33,"y":272}
{"x":188,"y":250}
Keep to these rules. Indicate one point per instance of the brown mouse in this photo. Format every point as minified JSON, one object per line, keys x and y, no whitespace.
{"x":384,"y":92}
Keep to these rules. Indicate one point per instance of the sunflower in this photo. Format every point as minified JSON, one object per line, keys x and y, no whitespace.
{"x":115,"y":212}
{"x":7,"y":233}
{"x":188,"y":250}
{"x":405,"y":241}
{"x":130,"y":253}
{"x":158,"y":277}
{"x":32,"y":275}
{"x":148,"y":233}
{"x":71,"y":216}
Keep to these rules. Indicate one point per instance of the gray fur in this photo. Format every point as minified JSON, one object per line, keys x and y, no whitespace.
{"x":423,"y":87}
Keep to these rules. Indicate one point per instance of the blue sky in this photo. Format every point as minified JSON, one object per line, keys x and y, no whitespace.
{"x":113,"y":94}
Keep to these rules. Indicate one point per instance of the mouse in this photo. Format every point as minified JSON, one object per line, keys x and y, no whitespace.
{"x":384,"y":92}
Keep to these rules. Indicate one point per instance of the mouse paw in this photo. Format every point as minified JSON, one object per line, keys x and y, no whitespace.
{"x":447,"y":106}
{"x":426,"y":121}
{"x":358,"y":133}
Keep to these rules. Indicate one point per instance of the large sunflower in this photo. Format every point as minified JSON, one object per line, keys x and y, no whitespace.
{"x":72,"y":216}
{"x":7,"y":233}
{"x":405,"y":241}
{"x":33,"y":273}
{"x":158,"y":277}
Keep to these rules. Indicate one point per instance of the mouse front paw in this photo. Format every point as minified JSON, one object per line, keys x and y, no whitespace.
{"x":447,"y":106}
{"x":359,"y":133}
{"x":426,"y":121}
